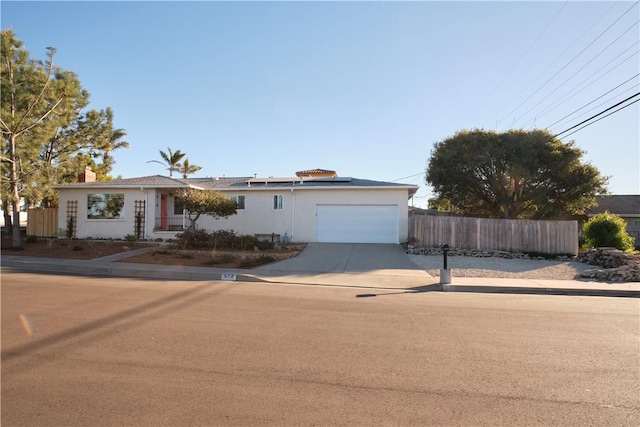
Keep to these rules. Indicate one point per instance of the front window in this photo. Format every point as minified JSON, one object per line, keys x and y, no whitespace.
{"x":105,"y":206}
{"x":239,"y":202}
{"x":277,"y":202}
{"x":178,"y":205}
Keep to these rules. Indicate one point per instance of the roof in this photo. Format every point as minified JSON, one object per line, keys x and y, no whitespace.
{"x":157,"y":181}
{"x":237,"y":183}
{"x":621,"y":205}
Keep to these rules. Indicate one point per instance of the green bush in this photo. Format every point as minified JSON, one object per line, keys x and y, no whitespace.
{"x":194,"y":239}
{"x":263,"y":245}
{"x":31,"y":238}
{"x":224,"y":239}
{"x":246,"y":242}
{"x":607,"y":230}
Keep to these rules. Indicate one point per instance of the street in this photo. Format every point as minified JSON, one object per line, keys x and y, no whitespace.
{"x":95,"y":351}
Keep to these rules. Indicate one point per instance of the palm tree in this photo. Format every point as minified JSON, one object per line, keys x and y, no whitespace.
{"x":187,"y":168}
{"x":170,"y":159}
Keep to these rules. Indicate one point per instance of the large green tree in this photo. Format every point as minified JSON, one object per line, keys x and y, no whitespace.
{"x":47,"y":136}
{"x":89,"y":140}
{"x":515,"y":174}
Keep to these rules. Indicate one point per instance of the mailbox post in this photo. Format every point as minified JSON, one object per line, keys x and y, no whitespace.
{"x":445,"y":273}
{"x":445,"y":249}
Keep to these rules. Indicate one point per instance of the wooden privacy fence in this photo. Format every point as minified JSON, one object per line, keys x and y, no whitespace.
{"x":485,"y":234}
{"x":42,"y":222}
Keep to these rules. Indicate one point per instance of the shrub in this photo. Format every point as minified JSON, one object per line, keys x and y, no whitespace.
{"x":224,"y":239}
{"x":608,"y":230}
{"x":246,"y":242}
{"x":31,"y":238}
{"x":194,"y":239}
{"x":264,"y":245}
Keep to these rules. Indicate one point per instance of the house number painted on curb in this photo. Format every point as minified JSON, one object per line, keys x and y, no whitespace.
{"x":230,"y":277}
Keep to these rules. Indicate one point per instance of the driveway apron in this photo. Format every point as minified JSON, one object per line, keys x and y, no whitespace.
{"x":346,"y":258}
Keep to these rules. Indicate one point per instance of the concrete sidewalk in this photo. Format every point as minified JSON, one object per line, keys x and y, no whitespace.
{"x":412,"y":279}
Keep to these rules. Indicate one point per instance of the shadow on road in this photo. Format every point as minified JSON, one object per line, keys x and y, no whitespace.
{"x":132,"y":317}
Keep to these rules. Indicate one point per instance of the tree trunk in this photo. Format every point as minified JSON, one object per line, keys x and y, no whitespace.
{"x":8,"y":224}
{"x":15,"y":194}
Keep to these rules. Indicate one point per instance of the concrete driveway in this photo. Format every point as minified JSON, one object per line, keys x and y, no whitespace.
{"x":346,"y":258}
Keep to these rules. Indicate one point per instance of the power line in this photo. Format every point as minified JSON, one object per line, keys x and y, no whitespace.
{"x":571,"y":61}
{"x":604,"y":94}
{"x":573,"y":91}
{"x":613,"y":112}
{"x":406,"y":177}
{"x":581,"y":68}
{"x":570,"y":46}
{"x":521,"y":57}
{"x":596,"y":115}
{"x":595,"y":107}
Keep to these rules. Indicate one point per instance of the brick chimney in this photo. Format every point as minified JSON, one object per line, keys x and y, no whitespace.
{"x":87,"y":175}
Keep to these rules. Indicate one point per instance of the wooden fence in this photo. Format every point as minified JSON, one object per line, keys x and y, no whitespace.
{"x":42,"y":222}
{"x":510,"y":235}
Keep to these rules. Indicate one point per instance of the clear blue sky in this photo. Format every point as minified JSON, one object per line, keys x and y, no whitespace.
{"x":362,"y":88}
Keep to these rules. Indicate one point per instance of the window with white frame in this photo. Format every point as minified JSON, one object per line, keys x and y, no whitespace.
{"x":105,"y":206}
{"x":178,"y":205}
{"x":277,"y":202}
{"x":239,"y":201}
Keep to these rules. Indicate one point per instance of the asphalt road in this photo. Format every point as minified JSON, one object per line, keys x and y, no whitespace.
{"x":92,"y":351}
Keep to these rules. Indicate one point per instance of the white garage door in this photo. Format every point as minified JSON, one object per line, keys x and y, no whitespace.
{"x":357,"y":223}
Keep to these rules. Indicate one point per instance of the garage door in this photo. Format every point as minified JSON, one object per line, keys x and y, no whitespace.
{"x":357,"y":223}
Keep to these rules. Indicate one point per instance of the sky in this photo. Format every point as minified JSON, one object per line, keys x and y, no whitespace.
{"x":362,"y":88}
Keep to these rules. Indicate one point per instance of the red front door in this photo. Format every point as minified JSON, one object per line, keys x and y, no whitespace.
{"x":163,"y":212}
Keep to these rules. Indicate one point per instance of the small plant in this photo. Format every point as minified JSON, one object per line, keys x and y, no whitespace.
{"x":31,"y":239}
{"x":77,"y":248}
{"x":138,"y":226}
{"x":130,"y":238}
{"x":70,"y":228}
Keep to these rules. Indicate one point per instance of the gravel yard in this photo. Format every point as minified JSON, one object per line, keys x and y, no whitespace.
{"x":494,"y":267}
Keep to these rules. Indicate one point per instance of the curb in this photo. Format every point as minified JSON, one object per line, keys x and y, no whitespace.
{"x":166,"y":272}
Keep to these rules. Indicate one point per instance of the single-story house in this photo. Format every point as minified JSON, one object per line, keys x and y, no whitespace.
{"x":313,"y":206}
{"x":626,"y":207}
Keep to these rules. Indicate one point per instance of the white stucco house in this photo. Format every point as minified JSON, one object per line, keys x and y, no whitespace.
{"x":313,"y":206}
